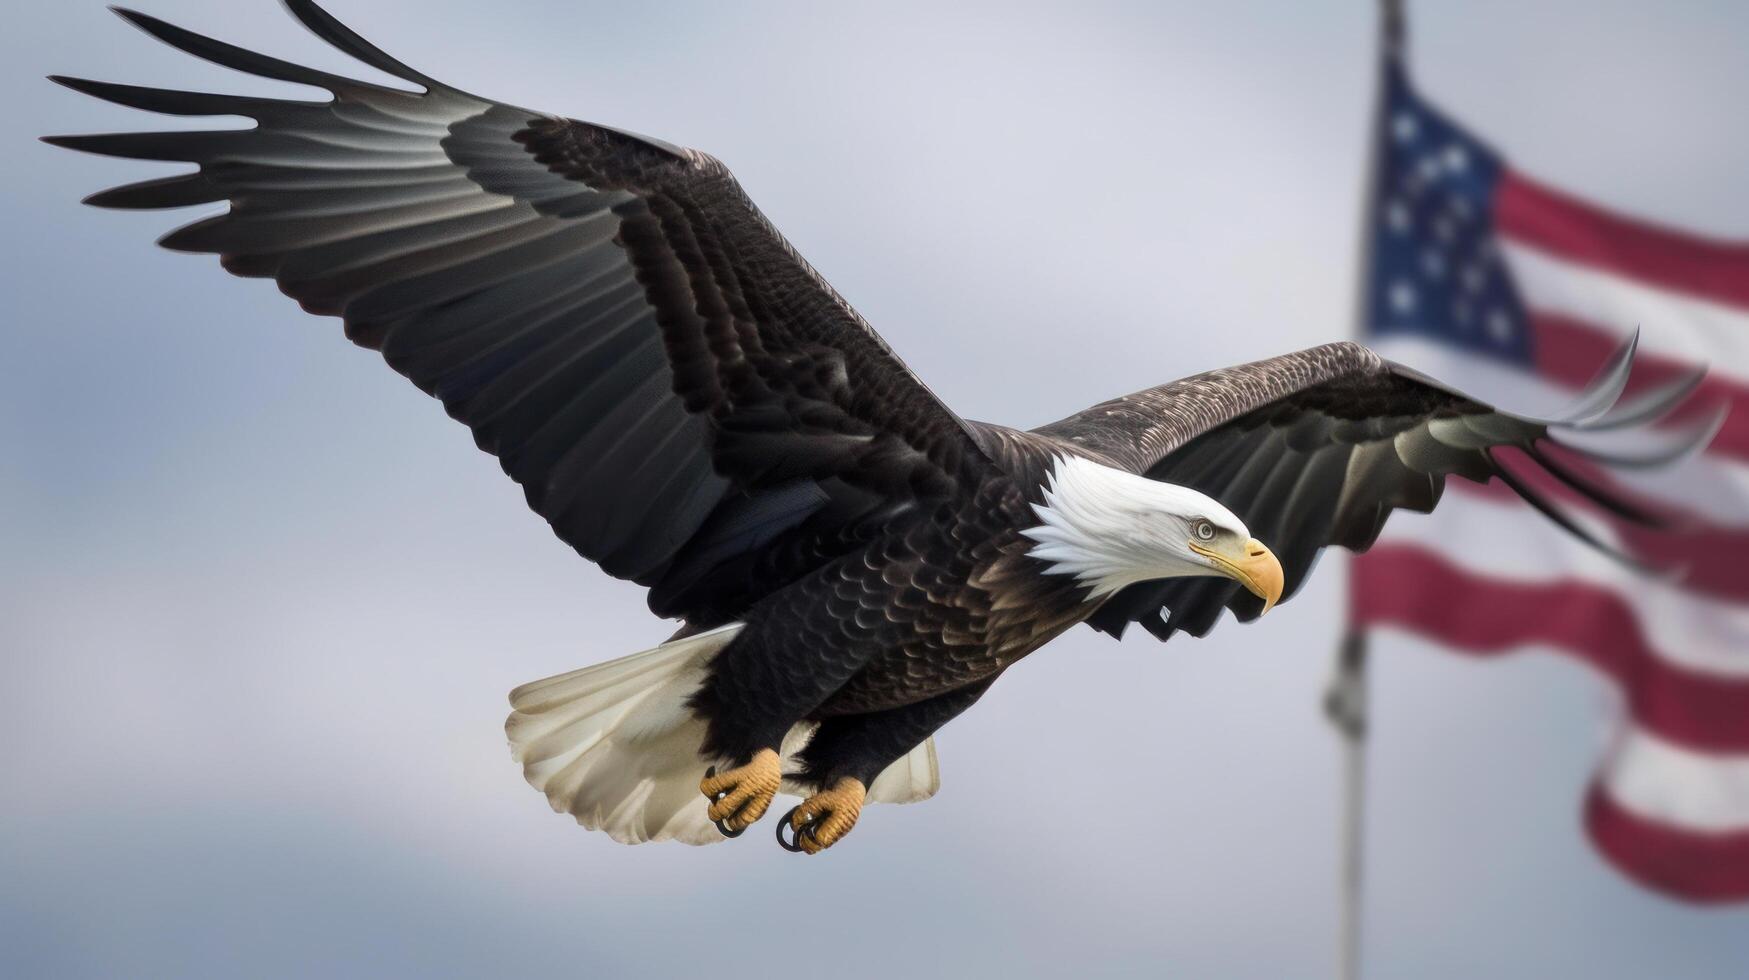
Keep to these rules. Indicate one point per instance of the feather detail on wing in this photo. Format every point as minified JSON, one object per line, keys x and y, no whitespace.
{"x":1318,"y":448}
{"x":678,"y":393}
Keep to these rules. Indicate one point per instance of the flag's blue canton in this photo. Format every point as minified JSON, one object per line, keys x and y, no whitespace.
{"x":1437,"y":270}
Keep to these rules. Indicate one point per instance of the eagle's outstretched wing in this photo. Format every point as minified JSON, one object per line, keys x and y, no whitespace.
{"x":679,"y":394}
{"x":1317,"y":448}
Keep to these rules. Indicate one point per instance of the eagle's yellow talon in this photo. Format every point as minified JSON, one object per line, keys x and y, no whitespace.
{"x":740,"y":796}
{"x":824,"y":818}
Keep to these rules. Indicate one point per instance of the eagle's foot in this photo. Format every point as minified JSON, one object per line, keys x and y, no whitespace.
{"x":740,"y":796}
{"x":822,"y":819}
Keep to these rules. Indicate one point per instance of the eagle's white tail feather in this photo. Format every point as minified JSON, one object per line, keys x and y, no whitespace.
{"x":616,"y":746}
{"x":912,"y":779}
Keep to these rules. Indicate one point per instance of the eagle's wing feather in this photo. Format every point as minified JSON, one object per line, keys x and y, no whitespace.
{"x":672,"y":385}
{"x":1317,"y":448}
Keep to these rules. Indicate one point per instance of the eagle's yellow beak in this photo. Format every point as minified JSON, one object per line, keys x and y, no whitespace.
{"x":1257,"y":569}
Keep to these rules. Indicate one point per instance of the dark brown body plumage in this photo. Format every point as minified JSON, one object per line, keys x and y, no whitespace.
{"x":894,"y":639}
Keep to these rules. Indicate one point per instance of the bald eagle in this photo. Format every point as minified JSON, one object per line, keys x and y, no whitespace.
{"x":693,"y":408}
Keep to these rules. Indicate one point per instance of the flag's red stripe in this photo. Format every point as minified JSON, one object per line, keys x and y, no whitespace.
{"x":1711,"y":557}
{"x":1555,"y":222}
{"x":1569,"y":353}
{"x":1410,"y":587}
{"x":1699,"y":867}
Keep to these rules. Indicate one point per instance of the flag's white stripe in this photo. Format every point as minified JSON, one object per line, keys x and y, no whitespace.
{"x":1671,"y":323}
{"x":1658,"y":781}
{"x":1713,"y":488}
{"x":1509,"y":542}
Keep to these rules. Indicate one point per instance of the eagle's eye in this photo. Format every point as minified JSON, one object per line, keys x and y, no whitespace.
{"x":1204,"y":530}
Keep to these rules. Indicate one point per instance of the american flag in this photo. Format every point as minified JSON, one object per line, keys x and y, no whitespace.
{"x":1502,"y":285}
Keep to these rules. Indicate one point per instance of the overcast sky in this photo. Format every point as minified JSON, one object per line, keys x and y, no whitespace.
{"x":260,"y":601}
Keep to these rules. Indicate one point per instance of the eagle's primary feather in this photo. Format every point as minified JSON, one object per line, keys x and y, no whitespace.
{"x":692,"y":407}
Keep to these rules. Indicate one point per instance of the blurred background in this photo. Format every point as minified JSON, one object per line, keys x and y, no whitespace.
{"x":261,"y":602}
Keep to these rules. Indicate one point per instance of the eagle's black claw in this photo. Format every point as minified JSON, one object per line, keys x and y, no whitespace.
{"x":793,"y":845}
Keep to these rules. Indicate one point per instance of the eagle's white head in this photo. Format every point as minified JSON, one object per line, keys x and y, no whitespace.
{"x":1110,"y":528}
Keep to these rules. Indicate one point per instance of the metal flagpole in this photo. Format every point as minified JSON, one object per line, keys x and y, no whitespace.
{"x":1345,"y":701}
{"x":1345,"y":704}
